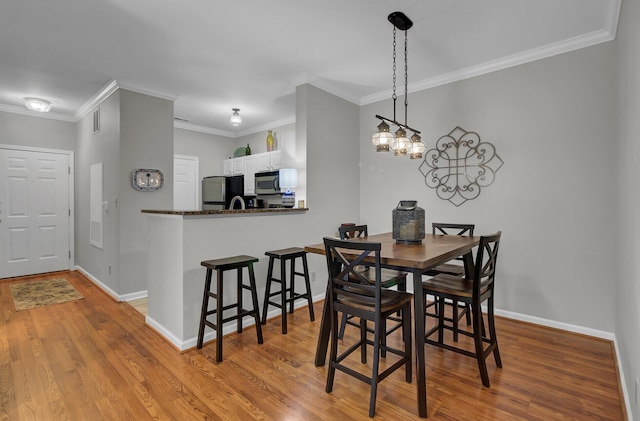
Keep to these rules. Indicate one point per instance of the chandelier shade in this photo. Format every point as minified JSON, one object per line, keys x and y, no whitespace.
{"x":383,"y":139}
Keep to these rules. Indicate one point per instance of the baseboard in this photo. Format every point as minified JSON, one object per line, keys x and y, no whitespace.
{"x":109,"y":291}
{"x":555,"y":324}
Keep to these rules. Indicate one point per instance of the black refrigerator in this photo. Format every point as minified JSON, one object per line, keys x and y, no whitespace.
{"x":217,"y":191}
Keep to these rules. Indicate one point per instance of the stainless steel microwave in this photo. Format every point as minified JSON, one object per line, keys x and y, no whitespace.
{"x":267,"y":182}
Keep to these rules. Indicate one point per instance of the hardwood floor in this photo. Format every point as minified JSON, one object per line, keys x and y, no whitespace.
{"x":94,"y":359}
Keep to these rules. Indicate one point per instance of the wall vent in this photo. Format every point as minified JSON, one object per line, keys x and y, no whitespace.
{"x":96,"y":121}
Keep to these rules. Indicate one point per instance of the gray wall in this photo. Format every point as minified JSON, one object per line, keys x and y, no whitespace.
{"x":627,"y":297}
{"x":36,"y":132}
{"x":136,"y":131}
{"x":209,"y":148}
{"x":104,"y":147}
{"x":553,"y":123}
{"x":146,"y":141}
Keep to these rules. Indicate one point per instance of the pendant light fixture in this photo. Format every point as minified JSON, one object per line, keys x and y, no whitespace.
{"x":235,"y":117}
{"x":383,"y":139}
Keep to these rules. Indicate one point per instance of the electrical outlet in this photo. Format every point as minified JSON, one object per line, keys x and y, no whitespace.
{"x":109,"y":269}
{"x":313,"y":279}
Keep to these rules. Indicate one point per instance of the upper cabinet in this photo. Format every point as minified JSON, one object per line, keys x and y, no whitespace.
{"x":251,"y":164}
{"x":269,"y":161}
{"x":249,"y":174}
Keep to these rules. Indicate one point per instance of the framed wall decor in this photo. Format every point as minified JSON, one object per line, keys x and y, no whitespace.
{"x":147,"y":179}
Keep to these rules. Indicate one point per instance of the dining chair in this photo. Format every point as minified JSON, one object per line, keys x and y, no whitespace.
{"x":390,"y":277}
{"x":352,"y":293}
{"x":472,"y":291}
{"x":454,"y":267}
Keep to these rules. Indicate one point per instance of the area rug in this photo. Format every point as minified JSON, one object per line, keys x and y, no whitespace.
{"x":43,"y":293}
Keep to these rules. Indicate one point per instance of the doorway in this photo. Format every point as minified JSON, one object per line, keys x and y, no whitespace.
{"x":36,"y":210}
{"x":186,"y":186}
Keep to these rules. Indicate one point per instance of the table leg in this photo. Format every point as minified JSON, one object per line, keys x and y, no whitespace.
{"x":325,"y":321}
{"x":325,"y":331}
{"x":418,"y":302}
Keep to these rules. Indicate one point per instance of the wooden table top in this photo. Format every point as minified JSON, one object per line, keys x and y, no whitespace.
{"x":433,"y":250}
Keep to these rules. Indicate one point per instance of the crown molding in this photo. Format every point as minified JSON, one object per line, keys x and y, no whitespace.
{"x":529,"y":56}
{"x":96,"y":100}
{"x":235,"y":135}
{"x":202,"y":129}
{"x":24,"y":111}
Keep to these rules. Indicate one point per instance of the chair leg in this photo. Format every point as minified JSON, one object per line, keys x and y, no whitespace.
{"x":477,"y":339}
{"x":219,"y":293}
{"x":343,"y":325}
{"x":267,"y":293}
{"x":254,"y":298}
{"x":205,"y":308}
{"x":283,"y":295}
{"x":308,"y":286}
{"x":333,"y":350}
{"x":454,"y":312}
{"x":406,"y":329}
{"x":378,"y":337}
{"x":363,"y":341}
{"x":240,"y":295}
{"x":492,"y":333}
{"x":440,"y":306}
{"x":292,"y":281}
{"x":468,"y":310}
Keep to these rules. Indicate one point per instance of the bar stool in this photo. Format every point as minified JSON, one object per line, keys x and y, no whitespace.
{"x":222,"y":265}
{"x":284,"y":255}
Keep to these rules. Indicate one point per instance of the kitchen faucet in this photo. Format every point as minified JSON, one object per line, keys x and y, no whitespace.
{"x":234,"y":200}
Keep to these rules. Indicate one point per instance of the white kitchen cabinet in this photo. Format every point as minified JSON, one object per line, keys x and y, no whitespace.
{"x":276,"y":160}
{"x":269,"y":161}
{"x":228,"y":167}
{"x":238,"y":165}
{"x":250,"y":163}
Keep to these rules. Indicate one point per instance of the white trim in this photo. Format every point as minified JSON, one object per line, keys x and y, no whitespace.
{"x":234,"y":135}
{"x":96,"y":100}
{"x":24,"y":111}
{"x":529,"y":56}
{"x":99,"y":284}
{"x":133,"y":296}
{"x":70,"y":187}
{"x":556,"y":325}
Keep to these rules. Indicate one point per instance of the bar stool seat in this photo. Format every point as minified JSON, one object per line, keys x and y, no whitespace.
{"x":284,"y":255}
{"x":220,"y":266}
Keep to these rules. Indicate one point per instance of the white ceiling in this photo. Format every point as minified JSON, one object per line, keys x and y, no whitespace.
{"x":211,"y":56}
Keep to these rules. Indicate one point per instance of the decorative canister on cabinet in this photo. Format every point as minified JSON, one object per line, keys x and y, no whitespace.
{"x":271,"y":142}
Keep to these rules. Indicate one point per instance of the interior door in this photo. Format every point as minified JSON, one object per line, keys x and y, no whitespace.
{"x":35,"y":212}
{"x":185,"y":183}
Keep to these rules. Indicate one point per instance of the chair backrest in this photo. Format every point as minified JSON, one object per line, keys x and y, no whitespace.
{"x":452,"y":229}
{"x":352,"y":231}
{"x":485,"y":266}
{"x":344,"y":257}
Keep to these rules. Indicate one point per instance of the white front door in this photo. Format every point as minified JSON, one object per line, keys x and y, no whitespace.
{"x":186,"y":184}
{"x":34,"y":212}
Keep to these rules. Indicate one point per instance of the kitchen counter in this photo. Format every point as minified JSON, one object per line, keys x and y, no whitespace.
{"x":261,"y":211}
{"x":178,"y":241}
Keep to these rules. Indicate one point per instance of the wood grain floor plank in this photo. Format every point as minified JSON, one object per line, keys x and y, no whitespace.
{"x":95,"y":359}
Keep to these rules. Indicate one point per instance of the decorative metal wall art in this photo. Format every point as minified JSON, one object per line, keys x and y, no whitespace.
{"x":460,"y":165}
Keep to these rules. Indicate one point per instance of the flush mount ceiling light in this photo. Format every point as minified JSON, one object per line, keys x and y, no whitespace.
{"x":235,"y":117}
{"x":37,"y":104}
{"x":384,"y":140}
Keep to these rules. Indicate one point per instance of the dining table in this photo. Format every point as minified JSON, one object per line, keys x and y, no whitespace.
{"x":415,"y":258}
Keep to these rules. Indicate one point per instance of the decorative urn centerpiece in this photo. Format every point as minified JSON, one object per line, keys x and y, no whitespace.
{"x":408,"y":222}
